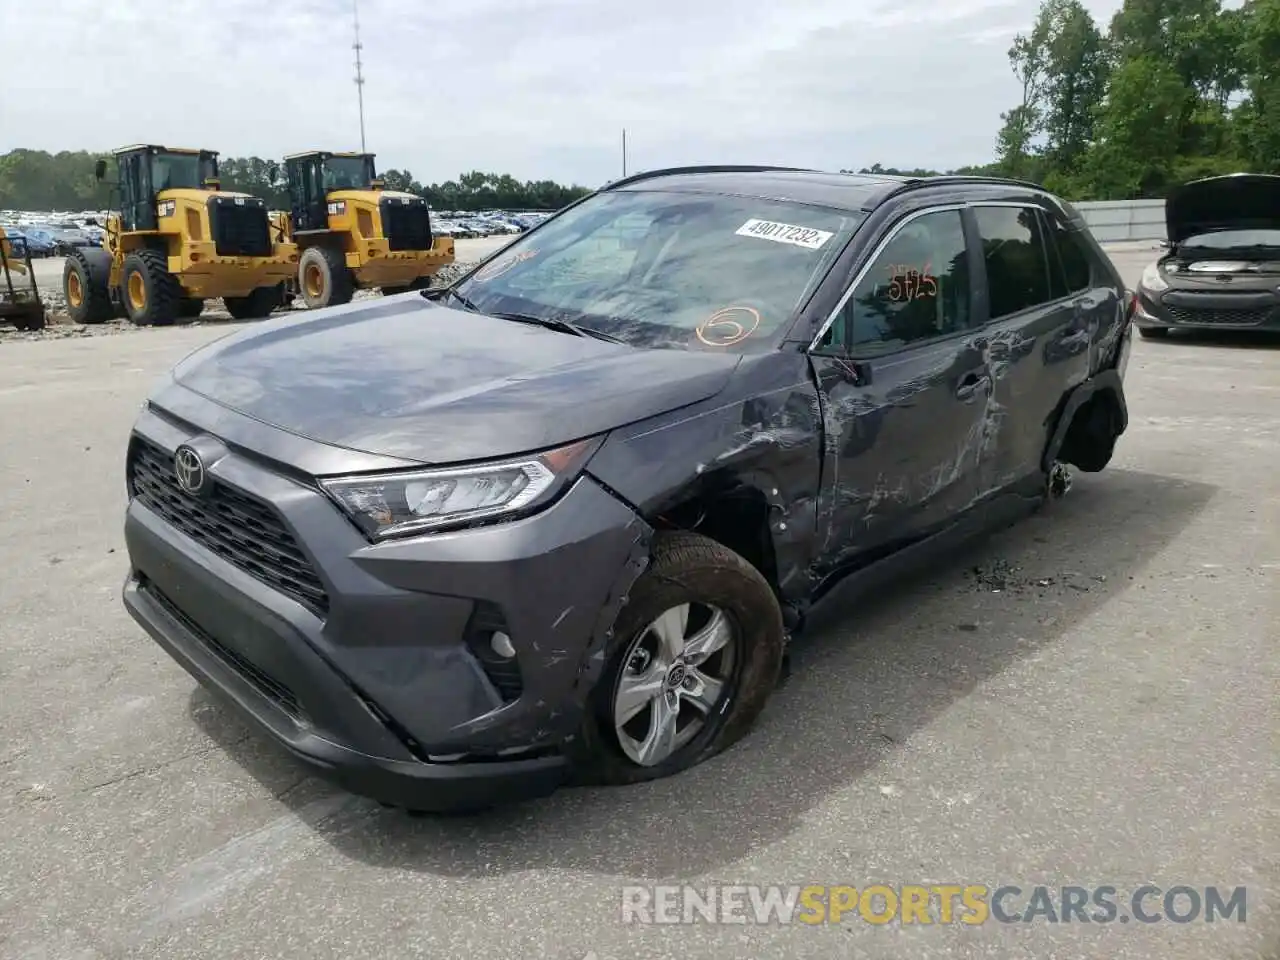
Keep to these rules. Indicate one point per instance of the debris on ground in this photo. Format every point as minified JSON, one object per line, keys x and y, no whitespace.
{"x":60,"y":326}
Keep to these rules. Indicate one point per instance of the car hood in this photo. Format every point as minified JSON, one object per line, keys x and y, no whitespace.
{"x":407,"y":378}
{"x":1238,"y":201}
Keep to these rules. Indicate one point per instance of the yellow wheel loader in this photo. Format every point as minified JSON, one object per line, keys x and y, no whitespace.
{"x":176,"y":241}
{"x":352,"y":233}
{"x":21,"y":307}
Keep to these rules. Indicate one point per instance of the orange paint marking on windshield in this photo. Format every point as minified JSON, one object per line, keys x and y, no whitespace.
{"x":721,"y":330}
{"x":907,"y":283}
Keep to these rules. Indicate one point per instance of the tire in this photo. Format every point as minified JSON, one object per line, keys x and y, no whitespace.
{"x":152,"y":295}
{"x":1153,"y":333}
{"x":85,"y":278}
{"x":323,"y":278}
{"x":256,"y":306}
{"x":689,"y":569}
{"x":190,"y":309}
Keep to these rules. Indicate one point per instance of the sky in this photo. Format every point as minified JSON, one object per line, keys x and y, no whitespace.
{"x":540,"y":89}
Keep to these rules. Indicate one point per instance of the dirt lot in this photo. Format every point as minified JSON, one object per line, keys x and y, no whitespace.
{"x":1087,"y":698}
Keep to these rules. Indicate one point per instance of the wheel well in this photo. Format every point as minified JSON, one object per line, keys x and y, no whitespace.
{"x":737,"y":518}
{"x":1091,"y":435}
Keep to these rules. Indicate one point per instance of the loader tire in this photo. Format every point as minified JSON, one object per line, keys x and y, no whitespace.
{"x":256,"y":306}
{"x":323,"y":278}
{"x":85,"y":279}
{"x":152,"y":295}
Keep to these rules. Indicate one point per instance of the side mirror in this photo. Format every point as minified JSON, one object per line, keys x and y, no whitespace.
{"x":100,"y":170}
{"x":213,"y":183}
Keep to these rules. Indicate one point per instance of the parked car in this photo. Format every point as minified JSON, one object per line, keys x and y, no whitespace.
{"x":23,"y":240}
{"x":559,"y":519}
{"x":68,"y":237}
{"x":1221,"y":270}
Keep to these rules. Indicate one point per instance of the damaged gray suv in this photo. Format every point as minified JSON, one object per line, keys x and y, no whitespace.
{"x":559,"y":521}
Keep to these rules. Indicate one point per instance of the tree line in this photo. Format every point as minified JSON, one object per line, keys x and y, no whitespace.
{"x":1171,"y":91}
{"x":36,"y":180}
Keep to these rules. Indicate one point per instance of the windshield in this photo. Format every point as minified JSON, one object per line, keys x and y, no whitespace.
{"x":347,"y":173}
{"x":668,"y":269}
{"x":172,"y":171}
{"x":1233,"y":239}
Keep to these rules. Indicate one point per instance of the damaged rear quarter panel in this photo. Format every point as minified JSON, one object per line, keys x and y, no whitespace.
{"x":763,"y":431}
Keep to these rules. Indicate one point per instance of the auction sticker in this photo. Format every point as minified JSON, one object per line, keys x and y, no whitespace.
{"x":806,"y":237}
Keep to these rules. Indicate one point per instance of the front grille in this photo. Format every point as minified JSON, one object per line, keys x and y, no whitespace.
{"x":241,"y":529}
{"x":239,"y":230}
{"x":1232,"y":316}
{"x":266,"y":684}
{"x":407,"y":226}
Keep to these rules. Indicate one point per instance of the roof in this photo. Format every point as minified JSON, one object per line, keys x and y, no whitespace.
{"x":847,"y":191}
{"x":327,"y":153}
{"x":155,"y":146}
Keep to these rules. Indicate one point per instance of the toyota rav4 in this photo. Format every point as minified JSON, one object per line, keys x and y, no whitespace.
{"x":560,"y":520}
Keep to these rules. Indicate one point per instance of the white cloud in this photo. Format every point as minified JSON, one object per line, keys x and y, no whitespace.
{"x":537,"y":88}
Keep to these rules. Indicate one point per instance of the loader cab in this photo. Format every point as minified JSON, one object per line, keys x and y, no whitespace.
{"x":144,"y":171}
{"x":312,"y":176}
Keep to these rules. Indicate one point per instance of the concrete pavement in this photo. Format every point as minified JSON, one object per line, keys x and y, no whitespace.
{"x":1087,"y":698}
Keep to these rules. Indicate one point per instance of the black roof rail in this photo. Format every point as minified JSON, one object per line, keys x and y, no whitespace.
{"x":916,"y":183}
{"x":709,"y":168}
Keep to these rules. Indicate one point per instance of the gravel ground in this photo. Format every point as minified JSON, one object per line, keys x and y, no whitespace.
{"x":1086,"y":698}
{"x":49,"y":279}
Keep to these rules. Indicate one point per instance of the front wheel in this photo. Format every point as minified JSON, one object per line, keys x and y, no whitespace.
{"x":697,"y":651}
{"x":323,"y":278}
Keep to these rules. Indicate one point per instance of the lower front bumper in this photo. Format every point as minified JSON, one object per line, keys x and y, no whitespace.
{"x":404,"y":782}
{"x":1175,"y":309}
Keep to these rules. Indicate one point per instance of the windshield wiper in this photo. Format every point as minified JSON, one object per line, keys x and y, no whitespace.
{"x":555,"y":323}
{"x":451,"y":292}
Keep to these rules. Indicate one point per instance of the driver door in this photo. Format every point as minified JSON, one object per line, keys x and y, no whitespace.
{"x":904,"y":389}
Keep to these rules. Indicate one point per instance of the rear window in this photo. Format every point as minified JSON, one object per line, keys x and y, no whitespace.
{"x":1071,"y":266}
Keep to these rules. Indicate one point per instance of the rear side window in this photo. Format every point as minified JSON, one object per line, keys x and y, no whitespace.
{"x":1014,"y":252}
{"x":1071,"y":268}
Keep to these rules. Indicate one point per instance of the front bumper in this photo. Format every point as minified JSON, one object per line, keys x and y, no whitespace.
{"x":380,"y":689}
{"x":1251,"y":309}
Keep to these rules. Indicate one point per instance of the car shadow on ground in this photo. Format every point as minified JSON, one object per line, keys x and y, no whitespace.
{"x":865,"y":679}
{"x":1239,"y":339}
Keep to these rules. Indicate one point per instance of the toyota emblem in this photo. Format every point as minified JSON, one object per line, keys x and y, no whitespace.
{"x":189,"y":470}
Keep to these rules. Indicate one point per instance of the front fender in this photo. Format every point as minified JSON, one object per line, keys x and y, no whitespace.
{"x":764,"y":431}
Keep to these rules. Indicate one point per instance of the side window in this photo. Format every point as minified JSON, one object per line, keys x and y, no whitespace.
{"x":1076,"y":272}
{"x":1013,"y":250}
{"x":917,"y":289}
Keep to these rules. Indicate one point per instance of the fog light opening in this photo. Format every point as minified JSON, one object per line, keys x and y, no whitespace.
{"x":501,"y":644}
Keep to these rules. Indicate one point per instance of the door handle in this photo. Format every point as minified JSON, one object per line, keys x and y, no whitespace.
{"x":971,"y":383}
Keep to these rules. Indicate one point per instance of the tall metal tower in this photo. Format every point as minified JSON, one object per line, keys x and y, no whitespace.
{"x":358,"y":46}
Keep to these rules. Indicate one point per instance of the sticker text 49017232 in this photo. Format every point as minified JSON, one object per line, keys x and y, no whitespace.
{"x":806,"y":237}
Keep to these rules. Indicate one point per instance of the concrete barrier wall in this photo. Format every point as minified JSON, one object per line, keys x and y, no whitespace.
{"x":1115,"y":221}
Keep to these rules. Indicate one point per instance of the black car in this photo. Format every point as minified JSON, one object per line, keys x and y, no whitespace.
{"x":1222,"y":269}
{"x":561,"y":519}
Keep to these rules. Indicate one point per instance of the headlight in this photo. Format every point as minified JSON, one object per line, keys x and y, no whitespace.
{"x":405,"y":502}
{"x":1151,"y":279}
